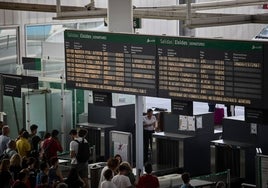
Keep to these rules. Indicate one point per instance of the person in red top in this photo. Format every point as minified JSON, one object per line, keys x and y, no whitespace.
{"x":148,"y":180}
{"x":52,"y":145}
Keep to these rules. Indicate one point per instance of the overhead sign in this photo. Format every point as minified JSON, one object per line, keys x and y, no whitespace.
{"x":182,"y":107}
{"x":12,"y":84}
{"x":211,"y":70}
{"x":189,"y":69}
{"x":102,"y":98}
{"x":30,"y":63}
{"x":110,"y":62}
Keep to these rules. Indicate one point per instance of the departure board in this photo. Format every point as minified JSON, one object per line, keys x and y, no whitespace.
{"x":190,"y":69}
{"x":211,"y":70}
{"x":111,"y":62}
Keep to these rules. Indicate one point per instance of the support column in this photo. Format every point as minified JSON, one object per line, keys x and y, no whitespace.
{"x":139,"y":133}
{"x":120,"y":16}
{"x":120,"y":19}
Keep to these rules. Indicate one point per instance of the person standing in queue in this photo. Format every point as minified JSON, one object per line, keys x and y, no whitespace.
{"x":149,"y":124}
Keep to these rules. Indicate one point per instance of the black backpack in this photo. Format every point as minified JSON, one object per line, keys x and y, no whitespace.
{"x":83,"y":153}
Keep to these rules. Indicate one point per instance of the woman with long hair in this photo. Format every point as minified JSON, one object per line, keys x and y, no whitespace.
{"x":5,"y":175}
{"x":15,"y":165}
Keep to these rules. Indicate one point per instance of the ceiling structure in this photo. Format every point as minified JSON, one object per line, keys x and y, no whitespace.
{"x":192,"y":13}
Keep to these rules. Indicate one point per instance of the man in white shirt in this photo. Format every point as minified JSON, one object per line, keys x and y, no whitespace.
{"x":149,"y":125}
{"x":121,"y":180}
{"x":82,"y":168}
{"x":4,"y":139}
{"x":108,"y":174}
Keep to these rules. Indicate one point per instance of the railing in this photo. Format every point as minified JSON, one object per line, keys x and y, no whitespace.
{"x":7,"y":41}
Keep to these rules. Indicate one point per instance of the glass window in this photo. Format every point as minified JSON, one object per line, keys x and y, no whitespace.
{"x":47,"y":42}
{"x":8,"y":50}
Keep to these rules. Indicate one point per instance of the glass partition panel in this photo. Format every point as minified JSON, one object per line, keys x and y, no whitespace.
{"x":8,"y":50}
{"x":14,"y":111}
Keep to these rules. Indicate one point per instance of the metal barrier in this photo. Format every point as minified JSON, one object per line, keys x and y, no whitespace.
{"x":216,"y":177}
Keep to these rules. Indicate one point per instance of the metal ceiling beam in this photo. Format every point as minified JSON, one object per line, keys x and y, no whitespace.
{"x":206,"y":5}
{"x":97,"y":13}
{"x":219,"y":21}
{"x":197,"y":19}
{"x":37,"y":7}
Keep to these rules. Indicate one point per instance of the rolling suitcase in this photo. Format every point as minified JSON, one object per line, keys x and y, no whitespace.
{"x":218,"y":116}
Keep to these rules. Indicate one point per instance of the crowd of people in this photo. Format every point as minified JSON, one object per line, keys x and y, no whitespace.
{"x":118,"y":174}
{"x":31,"y":162}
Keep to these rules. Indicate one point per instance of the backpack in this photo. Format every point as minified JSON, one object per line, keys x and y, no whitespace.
{"x":83,"y":153}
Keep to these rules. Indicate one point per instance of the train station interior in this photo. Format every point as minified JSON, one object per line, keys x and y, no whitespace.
{"x":99,"y":65}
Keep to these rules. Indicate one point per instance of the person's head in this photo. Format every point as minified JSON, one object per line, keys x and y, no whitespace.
{"x":82,"y":132}
{"x":185,"y":177}
{"x":73,"y":133}
{"x":31,"y":162}
{"x":54,"y":161}
{"x":5,"y":164}
{"x":5,"y":130}
{"x":118,"y":157}
{"x":54,"y":133}
{"x":108,"y":174}
{"x":33,"y":128}
{"x":44,"y":167}
{"x":15,"y":160}
{"x":112,"y":163}
{"x":149,"y":112}
{"x":127,"y":165}
{"x":21,"y":131}
{"x":25,"y":134}
{"x":12,"y":144}
{"x":220,"y":184}
{"x":123,"y":169}
{"x":47,"y":135}
{"x":148,"y":168}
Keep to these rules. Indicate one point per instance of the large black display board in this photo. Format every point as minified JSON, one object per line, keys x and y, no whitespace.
{"x":191,"y":69}
{"x":211,"y":70}
{"x":111,"y":62}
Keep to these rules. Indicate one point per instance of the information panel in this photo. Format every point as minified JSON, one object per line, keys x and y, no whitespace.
{"x":111,"y":62}
{"x":211,"y":70}
{"x":190,"y":69}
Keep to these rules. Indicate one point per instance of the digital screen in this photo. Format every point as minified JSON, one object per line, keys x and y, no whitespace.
{"x":190,"y":69}
{"x":111,"y":62}
{"x":211,"y":70}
